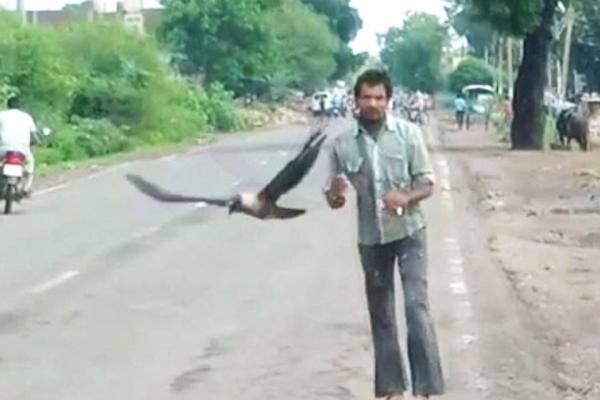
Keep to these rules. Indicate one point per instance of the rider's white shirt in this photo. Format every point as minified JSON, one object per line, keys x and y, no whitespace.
{"x":16,"y":128}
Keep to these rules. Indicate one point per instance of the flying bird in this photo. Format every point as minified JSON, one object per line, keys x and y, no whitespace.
{"x":261,"y":205}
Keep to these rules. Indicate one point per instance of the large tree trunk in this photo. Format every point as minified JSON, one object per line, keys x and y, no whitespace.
{"x":527,"y":130}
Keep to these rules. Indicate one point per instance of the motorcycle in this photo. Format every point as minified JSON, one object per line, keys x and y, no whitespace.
{"x":11,"y":179}
{"x":338,"y":111}
{"x":12,"y":175}
{"x":414,"y":115}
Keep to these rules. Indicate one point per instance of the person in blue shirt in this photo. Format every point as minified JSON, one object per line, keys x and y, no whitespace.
{"x":460,"y":109}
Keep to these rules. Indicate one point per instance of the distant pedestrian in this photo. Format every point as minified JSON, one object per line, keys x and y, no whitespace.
{"x":460,"y":110}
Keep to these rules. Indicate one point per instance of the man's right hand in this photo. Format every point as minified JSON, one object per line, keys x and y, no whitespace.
{"x":338,"y":186}
{"x":336,"y":202}
{"x":336,"y":195}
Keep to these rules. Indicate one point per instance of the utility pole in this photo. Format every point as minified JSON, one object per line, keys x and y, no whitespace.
{"x":500,"y":67}
{"x":570,"y":21}
{"x":22,"y":10}
{"x":549,"y":73}
{"x":559,"y":77}
{"x":509,"y":61}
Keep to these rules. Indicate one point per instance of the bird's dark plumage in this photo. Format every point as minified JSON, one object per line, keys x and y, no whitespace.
{"x":162,"y":195}
{"x":262,"y":205}
{"x":295,"y":170}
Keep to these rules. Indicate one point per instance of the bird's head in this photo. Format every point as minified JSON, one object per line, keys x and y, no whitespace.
{"x":235,"y":205}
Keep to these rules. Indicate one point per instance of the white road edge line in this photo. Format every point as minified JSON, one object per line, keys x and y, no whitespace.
{"x":197,"y":150}
{"x":48,"y":190}
{"x":148,"y":232}
{"x":44,"y":287}
{"x":120,"y":166}
{"x":458,"y":284}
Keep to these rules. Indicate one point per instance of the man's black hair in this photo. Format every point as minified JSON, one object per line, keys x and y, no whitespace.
{"x":374,"y":77}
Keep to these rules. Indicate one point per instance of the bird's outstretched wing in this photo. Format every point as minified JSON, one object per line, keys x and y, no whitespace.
{"x":162,"y":195}
{"x":295,"y":170}
{"x":287,"y":213}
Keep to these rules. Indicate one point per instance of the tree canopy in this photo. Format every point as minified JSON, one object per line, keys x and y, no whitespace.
{"x":413,"y":54}
{"x":586,"y":43}
{"x":345,"y":22}
{"x":470,"y":71}
{"x":305,"y":46}
{"x":261,"y":45}
{"x":465,"y":22}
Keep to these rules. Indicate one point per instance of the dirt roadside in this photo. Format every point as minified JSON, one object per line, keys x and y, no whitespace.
{"x":541,"y":212}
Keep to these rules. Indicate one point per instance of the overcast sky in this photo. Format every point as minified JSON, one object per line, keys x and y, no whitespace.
{"x":377,"y":15}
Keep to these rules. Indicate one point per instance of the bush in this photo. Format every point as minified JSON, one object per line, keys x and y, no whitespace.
{"x":471,"y":71}
{"x":47,"y":156}
{"x":101,"y":137}
{"x":217,"y":104}
{"x":103,"y":89}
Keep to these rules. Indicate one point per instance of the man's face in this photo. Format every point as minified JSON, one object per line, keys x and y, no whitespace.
{"x":372,"y":102}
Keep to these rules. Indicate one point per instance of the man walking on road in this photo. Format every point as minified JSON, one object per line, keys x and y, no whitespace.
{"x":386,"y":161}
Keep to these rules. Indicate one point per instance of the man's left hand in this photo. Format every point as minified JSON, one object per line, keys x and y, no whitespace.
{"x":395,"y":199}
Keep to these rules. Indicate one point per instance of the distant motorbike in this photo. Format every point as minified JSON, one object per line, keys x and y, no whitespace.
{"x":13,"y":170}
{"x":414,"y":115}
{"x":338,"y":111}
{"x":12,"y":175}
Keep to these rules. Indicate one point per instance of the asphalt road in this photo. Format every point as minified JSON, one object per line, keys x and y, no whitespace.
{"x":106,"y":294}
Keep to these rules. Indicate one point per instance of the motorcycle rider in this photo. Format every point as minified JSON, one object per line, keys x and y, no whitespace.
{"x":413,"y":106}
{"x":17,"y":131}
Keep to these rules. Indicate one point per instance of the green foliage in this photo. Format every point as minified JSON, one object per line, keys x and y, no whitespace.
{"x":506,"y":16}
{"x":34,"y":65}
{"x":305,"y":46}
{"x":467,"y":23}
{"x":470,"y":71}
{"x":345,"y":22}
{"x":413,"y":54}
{"x":102,"y":89}
{"x":227,"y":41}
{"x":343,"y":19}
{"x":586,"y":42}
{"x":262,"y":47}
{"x":99,"y":137}
{"x":217,"y":104}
